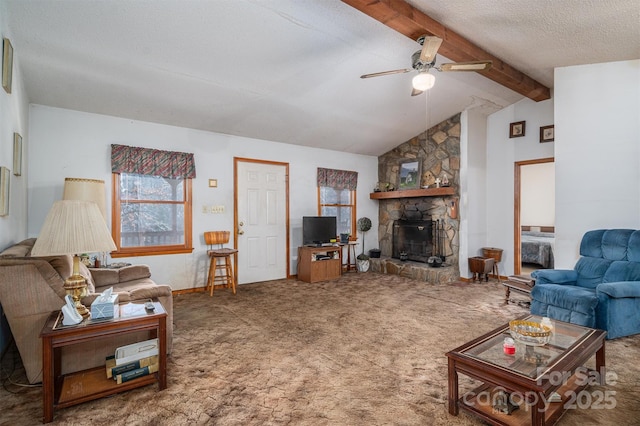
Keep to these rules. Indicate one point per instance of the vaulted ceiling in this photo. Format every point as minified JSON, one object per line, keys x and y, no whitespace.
{"x":288,"y":70}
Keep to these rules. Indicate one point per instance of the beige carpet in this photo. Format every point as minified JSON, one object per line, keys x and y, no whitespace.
{"x":366,"y":349}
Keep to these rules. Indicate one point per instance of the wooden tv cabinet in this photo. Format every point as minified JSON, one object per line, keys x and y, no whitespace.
{"x":319,"y":263}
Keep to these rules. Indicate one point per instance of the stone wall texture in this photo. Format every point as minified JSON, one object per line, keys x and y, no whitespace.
{"x":438,"y":150}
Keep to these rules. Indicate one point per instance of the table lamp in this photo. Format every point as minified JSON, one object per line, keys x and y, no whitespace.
{"x":74,"y":227}
{"x":88,"y":190}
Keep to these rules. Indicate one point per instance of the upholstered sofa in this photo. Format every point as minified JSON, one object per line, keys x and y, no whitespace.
{"x":603,"y":289}
{"x":32,"y":287}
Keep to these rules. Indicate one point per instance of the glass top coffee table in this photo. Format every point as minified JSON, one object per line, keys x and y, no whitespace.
{"x":533,"y":386}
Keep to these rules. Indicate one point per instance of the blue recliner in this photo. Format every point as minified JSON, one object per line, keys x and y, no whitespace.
{"x":603,"y":289}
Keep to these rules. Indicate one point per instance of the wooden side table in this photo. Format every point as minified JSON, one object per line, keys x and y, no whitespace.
{"x":60,"y":391}
{"x":520,"y":283}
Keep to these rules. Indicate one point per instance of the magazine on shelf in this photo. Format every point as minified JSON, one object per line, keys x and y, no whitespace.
{"x":136,"y":351}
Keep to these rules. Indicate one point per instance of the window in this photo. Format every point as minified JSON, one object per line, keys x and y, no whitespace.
{"x":341,"y":204}
{"x":337,"y":197}
{"x":151,"y":212}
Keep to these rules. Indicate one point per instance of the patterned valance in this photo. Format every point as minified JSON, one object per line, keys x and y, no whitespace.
{"x":338,"y":179}
{"x":152,"y":162}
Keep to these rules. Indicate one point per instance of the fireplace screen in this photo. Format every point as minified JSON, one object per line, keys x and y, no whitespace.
{"x":413,"y":237}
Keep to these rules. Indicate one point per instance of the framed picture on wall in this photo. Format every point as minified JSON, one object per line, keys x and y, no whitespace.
{"x":17,"y":154}
{"x":546,"y":133}
{"x":516,"y":129}
{"x":7,"y":64}
{"x":5,"y":174}
{"x":409,"y":175}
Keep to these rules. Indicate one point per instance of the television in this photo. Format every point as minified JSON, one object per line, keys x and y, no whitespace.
{"x":318,"y":230}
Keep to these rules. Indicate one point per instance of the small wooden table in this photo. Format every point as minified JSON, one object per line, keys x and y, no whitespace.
{"x":528,"y":377}
{"x":520,"y":283}
{"x":60,"y":391}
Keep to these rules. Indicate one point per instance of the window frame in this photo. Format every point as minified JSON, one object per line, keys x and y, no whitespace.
{"x":352,"y":195}
{"x":116,"y":223}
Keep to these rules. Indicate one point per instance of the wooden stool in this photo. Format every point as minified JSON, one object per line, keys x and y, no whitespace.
{"x":220,"y":259}
{"x":351,"y":265}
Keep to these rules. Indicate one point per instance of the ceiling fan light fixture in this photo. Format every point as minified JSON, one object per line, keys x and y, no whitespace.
{"x":423,"y":81}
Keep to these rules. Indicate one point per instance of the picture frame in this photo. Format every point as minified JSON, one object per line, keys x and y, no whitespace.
{"x":409,"y":174}
{"x":5,"y":175}
{"x":547,"y":133}
{"x":17,"y":154}
{"x":516,"y":129}
{"x":7,"y":65}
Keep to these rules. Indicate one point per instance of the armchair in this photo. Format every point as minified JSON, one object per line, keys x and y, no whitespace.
{"x":603,"y":289}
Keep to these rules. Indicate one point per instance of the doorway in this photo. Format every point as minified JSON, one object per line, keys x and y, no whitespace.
{"x":261,"y":206}
{"x":534,"y":214}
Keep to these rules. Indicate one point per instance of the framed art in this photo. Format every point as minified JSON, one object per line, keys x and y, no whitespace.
{"x":516,"y":129}
{"x":17,"y":154}
{"x":547,"y":133}
{"x":4,"y":191}
{"x":7,"y":64}
{"x":409,"y":175}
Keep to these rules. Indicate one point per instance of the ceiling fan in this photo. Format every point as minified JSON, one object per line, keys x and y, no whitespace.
{"x":425,"y":59}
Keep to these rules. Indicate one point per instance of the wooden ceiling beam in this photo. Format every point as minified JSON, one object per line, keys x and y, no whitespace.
{"x":413,"y":23}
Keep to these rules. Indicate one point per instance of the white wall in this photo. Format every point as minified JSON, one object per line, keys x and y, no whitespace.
{"x":67,"y":143}
{"x":597,"y":137}
{"x":13,"y":118}
{"x":502,"y":153}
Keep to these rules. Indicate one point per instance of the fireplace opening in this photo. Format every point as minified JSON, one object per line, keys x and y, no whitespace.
{"x":413,"y":238}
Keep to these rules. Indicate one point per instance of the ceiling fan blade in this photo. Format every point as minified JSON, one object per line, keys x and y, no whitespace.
{"x":378,"y":74}
{"x":416,"y":92}
{"x":466,"y":66}
{"x":430,"y":47}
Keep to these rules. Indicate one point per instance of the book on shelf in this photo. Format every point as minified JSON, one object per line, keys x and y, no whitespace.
{"x":113,"y":370}
{"x":134,"y":374}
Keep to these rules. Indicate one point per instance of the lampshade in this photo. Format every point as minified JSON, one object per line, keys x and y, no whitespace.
{"x":423,"y":81}
{"x":73,"y":227}
{"x":87,"y":190}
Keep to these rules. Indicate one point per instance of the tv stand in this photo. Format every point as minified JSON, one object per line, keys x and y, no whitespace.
{"x":319,"y":263}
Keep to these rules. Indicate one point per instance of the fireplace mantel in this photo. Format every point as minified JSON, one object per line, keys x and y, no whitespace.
{"x":412,"y":193}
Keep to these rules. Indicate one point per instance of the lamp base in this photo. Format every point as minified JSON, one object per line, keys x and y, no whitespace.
{"x":76,"y":287}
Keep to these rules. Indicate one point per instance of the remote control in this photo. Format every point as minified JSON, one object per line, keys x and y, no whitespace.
{"x":149,"y":306}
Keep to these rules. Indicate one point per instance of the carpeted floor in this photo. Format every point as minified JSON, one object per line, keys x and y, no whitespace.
{"x":366,"y":349}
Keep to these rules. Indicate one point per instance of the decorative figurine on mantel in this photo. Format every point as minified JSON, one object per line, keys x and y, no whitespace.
{"x":445,"y":180}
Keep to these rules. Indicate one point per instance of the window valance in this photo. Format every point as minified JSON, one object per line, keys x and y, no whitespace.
{"x":152,"y":162}
{"x":339,"y":179}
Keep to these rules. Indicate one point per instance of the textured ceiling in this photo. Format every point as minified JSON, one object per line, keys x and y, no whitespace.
{"x":288,"y":70}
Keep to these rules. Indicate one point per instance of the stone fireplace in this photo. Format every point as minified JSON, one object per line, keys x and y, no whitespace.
{"x":438,"y":150}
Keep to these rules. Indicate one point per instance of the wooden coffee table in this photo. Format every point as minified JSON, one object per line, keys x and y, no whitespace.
{"x":529,"y":377}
